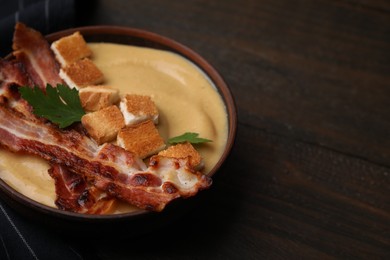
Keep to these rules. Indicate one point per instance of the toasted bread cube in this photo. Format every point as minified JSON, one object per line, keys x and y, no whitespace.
{"x":81,"y":73}
{"x":138,"y":108}
{"x":70,"y":49}
{"x":143,"y":139}
{"x":94,"y":98}
{"x":184,"y":150}
{"x":104,"y":125}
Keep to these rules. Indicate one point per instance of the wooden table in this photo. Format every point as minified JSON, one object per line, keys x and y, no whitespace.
{"x":309,"y":175}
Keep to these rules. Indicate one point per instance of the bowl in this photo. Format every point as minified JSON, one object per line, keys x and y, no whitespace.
{"x":142,"y":220}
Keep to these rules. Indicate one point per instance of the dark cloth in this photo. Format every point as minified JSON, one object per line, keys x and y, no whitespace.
{"x":22,"y":239}
{"x":45,"y":16}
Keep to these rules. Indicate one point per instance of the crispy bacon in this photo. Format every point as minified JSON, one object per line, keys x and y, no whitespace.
{"x":75,"y":194}
{"x":12,"y":76}
{"x":12,"y":72}
{"x":33,"y":51}
{"x":110,"y":168}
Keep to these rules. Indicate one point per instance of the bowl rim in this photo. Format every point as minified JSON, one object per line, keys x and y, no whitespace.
{"x":174,"y":46}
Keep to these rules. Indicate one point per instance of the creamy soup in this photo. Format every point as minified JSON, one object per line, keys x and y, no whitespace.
{"x":186,"y":99}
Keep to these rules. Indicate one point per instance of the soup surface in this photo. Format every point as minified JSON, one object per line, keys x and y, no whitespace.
{"x":186,"y":99}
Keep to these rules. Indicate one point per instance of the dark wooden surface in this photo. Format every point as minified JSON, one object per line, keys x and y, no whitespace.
{"x":309,"y":175}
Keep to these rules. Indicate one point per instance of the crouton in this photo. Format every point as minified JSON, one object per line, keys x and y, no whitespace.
{"x":94,"y":98}
{"x":138,"y":108}
{"x":184,"y":150}
{"x":103,"y":125}
{"x":70,"y":49}
{"x":81,"y":73}
{"x":143,"y":139}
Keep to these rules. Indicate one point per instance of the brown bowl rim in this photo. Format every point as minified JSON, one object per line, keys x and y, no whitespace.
{"x":172,"y":45}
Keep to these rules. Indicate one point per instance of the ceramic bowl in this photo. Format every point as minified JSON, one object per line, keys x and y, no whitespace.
{"x":139,"y":221}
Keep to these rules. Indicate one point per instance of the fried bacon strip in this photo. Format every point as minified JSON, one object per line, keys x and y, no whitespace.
{"x":33,"y":51}
{"x":110,"y":168}
{"x":12,"y":76}
{"x":76,"y":195}
{"x":12,"y":72}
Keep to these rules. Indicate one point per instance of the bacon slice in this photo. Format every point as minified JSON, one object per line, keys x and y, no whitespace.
{"x":76,"y":195}
{"x":33,"y":51}
{"x":110,"y":168}
{"x":12,"y":76}
{"x":12,"y":72}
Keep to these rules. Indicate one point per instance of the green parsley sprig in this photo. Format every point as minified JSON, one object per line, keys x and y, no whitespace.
{"x":188,"y":137}
{"x":61,"y":105}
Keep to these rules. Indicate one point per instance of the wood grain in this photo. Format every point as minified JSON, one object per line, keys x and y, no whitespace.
{"x":309,"y":176}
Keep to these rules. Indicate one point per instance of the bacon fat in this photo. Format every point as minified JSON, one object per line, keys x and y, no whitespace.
{"x":12,"y":72}
{"x":75,"y":194}
{"x":33,"y":51}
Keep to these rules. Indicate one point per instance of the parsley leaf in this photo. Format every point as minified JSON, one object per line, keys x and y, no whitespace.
{"x":60,"y":105}
{"x":188,"y":137}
